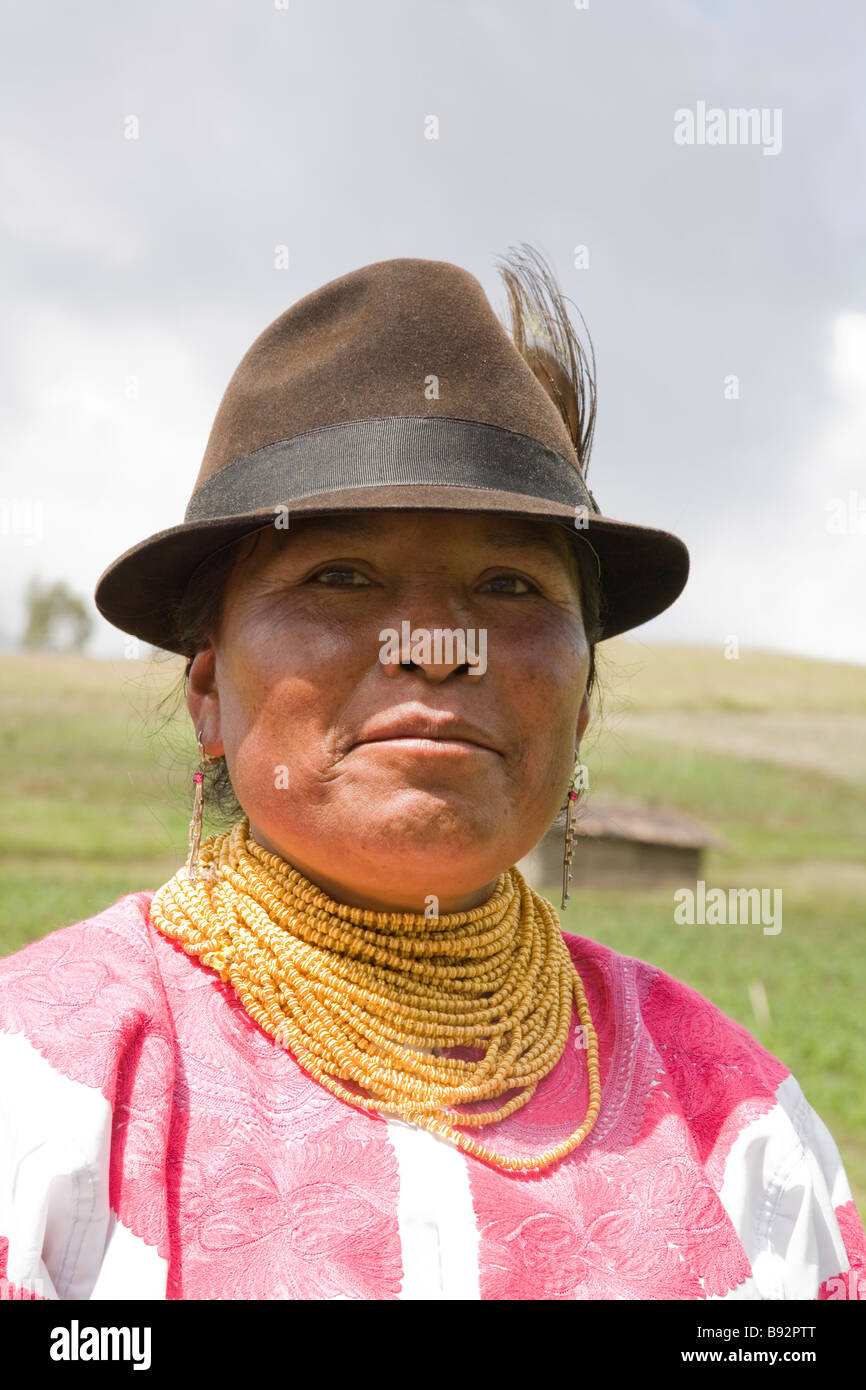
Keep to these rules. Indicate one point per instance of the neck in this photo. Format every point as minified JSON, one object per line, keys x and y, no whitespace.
{"x":387,"y":898}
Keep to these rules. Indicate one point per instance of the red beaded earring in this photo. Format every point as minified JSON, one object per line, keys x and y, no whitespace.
{"x":570,"y":823}
{"x":197,"y":810}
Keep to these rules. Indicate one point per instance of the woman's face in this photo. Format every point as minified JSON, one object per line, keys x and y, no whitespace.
{"x":340,"y":758}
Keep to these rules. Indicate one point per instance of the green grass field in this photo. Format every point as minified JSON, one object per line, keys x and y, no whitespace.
{"x":768,"y":751}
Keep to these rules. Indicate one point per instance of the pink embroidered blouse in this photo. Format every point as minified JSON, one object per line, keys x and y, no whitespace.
{"x":155,"y":1143}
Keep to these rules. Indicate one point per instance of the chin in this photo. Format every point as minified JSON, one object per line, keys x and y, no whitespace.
{"x":430,"y":822}
{"x":433,"y":856}
{"x":422,"y":833}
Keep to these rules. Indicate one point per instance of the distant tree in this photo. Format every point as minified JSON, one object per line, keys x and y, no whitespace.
{"x":56,"y":619}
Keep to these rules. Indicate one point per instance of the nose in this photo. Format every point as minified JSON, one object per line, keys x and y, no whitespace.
{"x":436,"y":650}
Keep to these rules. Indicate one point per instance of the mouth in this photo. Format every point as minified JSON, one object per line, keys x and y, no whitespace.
{"x":427,"y":747}
{"x":427,"y":734}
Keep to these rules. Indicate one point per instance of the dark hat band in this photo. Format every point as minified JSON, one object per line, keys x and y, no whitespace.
{"x":400,"y":449}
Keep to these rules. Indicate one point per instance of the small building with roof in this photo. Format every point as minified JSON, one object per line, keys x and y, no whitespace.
{"x":622,"y":844}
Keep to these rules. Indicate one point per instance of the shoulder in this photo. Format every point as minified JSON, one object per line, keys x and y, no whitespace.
{"x":692,"y":1064}
{"x":83,"y":993}
{"x":125,"y":921}
{"x":86,"y":1073}
{"x":764,"y":1148}
{"x":702,"y":1049}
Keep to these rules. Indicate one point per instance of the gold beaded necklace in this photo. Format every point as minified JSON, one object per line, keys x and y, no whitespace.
{"x":372,"y":998}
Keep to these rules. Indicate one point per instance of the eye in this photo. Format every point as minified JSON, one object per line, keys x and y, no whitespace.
{"x":339,"y":577}
{"x":507,"y":581}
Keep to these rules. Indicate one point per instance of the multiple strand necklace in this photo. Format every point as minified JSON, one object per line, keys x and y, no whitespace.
{"x":368,"y":1002}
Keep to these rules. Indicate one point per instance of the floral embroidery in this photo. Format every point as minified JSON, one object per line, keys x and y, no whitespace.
{"x":253,"y":1181}
{"x":849,"y":1283}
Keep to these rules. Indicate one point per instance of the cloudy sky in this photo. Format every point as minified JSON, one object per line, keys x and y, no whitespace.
{"x":725,"y":289}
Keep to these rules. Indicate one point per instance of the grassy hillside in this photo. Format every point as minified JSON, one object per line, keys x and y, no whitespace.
{"x":768,"y":750}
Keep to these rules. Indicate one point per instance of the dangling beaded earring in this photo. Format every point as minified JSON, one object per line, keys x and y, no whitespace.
{"x":205,"y":760}
{"x":570,"y":823}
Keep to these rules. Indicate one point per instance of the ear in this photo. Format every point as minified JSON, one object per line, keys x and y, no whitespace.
{"x":203,"y":703}
{"x":582,"y":720}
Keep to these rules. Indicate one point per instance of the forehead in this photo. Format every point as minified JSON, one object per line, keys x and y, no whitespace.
{"x":429,"y":527}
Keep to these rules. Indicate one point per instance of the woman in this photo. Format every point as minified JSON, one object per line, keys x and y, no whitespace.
{"x":345,"y":1052}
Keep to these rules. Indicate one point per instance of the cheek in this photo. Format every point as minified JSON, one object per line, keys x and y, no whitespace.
{"x":551,"y":665}
{"x":549,"y":678}
{"x":295,"y":635}
{"x":268,"y":658}
{"x":271,"y":716}
{"x":282,"y":686}
{"x":274,"y":739}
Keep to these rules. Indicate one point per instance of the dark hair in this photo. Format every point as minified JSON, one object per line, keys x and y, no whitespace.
{"x":542,"y":332}
{"x":196,"y":622}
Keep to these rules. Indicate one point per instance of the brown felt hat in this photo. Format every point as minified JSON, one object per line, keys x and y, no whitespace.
{"x":394,"y":386}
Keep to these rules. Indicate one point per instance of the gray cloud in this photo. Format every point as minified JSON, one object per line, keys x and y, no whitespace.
{"x":151,"y":261}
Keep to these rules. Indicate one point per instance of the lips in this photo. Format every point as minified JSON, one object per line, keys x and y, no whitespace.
{"x":427,"y":726}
